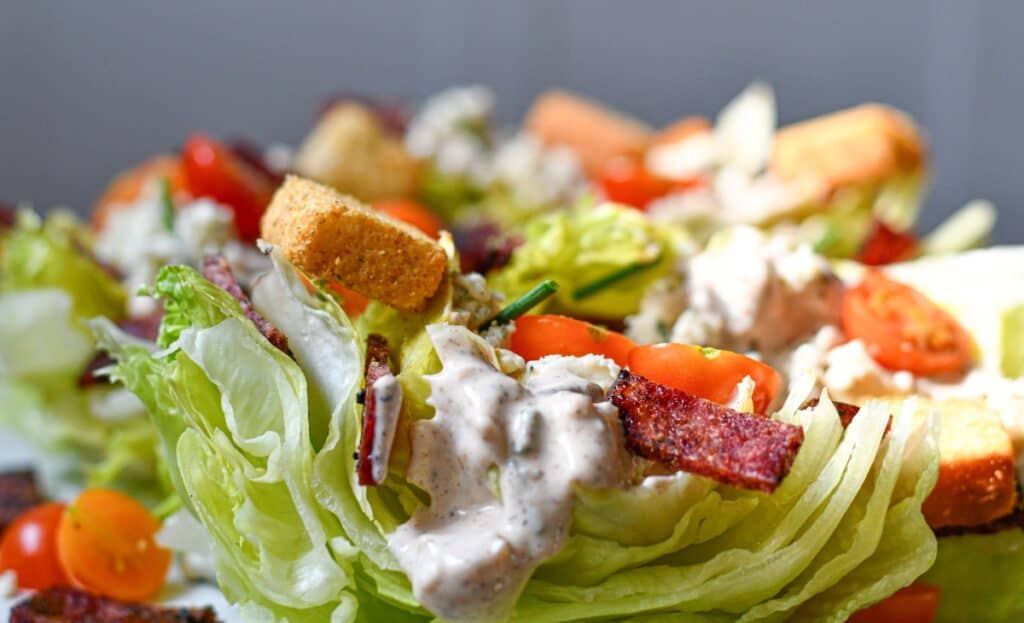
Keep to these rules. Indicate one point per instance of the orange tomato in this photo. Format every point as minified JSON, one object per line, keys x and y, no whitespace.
{"x":706,"y":372}
{"x":29,"y":548}
{"x":213,"y":170}
{"x":537,"y":336}
{"x":412,"y":213}
{"x":902,"y":329}
{"x":129,"y":185}
{"x":917,"y":603}
{"x":106,"y":546}
{"x":351,"y":301}
{"x":626,"y":180}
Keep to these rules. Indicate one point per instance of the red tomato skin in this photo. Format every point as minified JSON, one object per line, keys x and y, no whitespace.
{"x":627,"y":181}
{"x":212,"y":170}
{"x":917,"y":603}
{"x":29,"y":548}
{"x":885,"y":245}
{"x":709,"y":373}
{"x":412,"y":213}
{"x":875,"y":312}
{"x":541,"y":335}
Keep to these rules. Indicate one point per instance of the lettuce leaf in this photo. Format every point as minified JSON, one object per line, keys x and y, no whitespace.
{"x":580,"y":246}
{"x":980,"y":576}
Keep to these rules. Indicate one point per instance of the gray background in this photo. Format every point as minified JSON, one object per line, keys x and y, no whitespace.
{"x":89,"y":87}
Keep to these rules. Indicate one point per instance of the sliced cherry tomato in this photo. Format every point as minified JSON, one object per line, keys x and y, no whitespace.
{"x":537,"y":336}
{"x":902,"y":329}
{"x":626,"y":180}
{"x":917,"y":603}
{"x":351,"y":301}
{"x":706,"y":372}
{"x":885,"y":245}
{"x":213,"y":170}
{"x":412,"y":213}
{"x":128,"y":186}
{"x":106,"y":546}
{"x":29,"y":548}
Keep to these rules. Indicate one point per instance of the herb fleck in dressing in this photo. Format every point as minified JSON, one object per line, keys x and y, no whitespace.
{"x":500,"y":459}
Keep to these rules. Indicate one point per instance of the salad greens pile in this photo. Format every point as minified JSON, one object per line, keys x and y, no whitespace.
{"x":48,"y":288}
{"x":261,"y":449}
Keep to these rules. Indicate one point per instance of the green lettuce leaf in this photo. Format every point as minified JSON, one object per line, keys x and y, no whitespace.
{"x":980,"y":576}
{"x":584,"y":245}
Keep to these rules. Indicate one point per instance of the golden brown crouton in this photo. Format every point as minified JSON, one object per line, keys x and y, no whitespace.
{"x":335,"y":237}
{"x":351,"y":151}
{"x":977,"y":482}
{"x":595,"y":133}
{"x":863,"y":145}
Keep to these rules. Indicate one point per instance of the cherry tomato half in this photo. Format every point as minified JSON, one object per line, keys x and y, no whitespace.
{"x":106,"y":546}
{"x":213,"y":170}
{"x":29,"y":548}
{"x":902,"y":329}
{"x":626,"y":180}
{"x":917,"y":603}
{"x":706,"y":372}
{"x":412,"y":213}
{"x":537,"y":336}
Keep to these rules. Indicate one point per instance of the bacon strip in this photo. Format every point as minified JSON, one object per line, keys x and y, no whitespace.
{"x":378,"y":357}
{"x":216,"y":269}
{"x":18,"y":493}
{"x":70,"y":605}
{"x":695,"y":435}
{"x":846,"y":412}
{"x":7,"y":215}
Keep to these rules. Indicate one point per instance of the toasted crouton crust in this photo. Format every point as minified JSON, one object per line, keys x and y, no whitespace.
{"x":977,"y":482}
{"x":863,"y":145}
{"x":335,"y":237}
{"x":351,"y":151}
{"x":595,"y":133}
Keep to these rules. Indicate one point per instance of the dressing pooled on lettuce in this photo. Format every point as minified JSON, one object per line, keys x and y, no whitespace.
{"x":511,"y":490}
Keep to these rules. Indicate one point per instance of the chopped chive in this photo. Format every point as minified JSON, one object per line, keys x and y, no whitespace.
{"x":590,"y":289}
{"x":167,"y":203}
{"x":523,"y":304}
{"x":829,"y":240}
{"x":168,"y":507}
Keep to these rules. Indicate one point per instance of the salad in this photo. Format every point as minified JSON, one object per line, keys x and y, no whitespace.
{"x":705,"y":373}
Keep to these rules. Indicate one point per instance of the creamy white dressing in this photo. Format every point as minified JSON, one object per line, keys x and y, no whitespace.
{"x":500,"y":459}
{"x":387,"y":396}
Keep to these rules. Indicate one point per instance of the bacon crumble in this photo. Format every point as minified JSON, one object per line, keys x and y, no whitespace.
{"x":688,"y":433}
{"x":145,"y":327}
{"x":18,"y":493}
{"x":378,"y":357}
{"x":217,"y":271}
{"x":70,"y":605}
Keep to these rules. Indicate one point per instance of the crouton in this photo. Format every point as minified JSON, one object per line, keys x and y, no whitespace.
{"x":350,"y":150}
{"x":977,"y":482}
{"x":864,"y":145}
{"x":595,"y":133}
{"x":335,"y":237}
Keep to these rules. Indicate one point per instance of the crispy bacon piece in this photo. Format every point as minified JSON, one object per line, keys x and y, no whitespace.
{"x":846,"y":412}
{"x":216,"y":269}
{"x":70,"y":605}
{"x":8,"y":215}
{"x":695,"y":435}
{"x":885,"y":245}
{"x":252,"y":154}
{"x":378,"y":358}
{"x":18,"y":493}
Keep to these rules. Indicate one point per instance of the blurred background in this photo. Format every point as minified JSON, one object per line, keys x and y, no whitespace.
{"x":90,"y":88}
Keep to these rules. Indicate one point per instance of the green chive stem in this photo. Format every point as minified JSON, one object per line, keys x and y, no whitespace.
{"x":167,"y":203}
{"x":523,"y":304}
{"x":168,"y":507}
{"x":590,"y":289}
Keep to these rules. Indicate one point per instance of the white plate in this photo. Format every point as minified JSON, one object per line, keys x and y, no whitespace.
{"x":15,"y":452}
